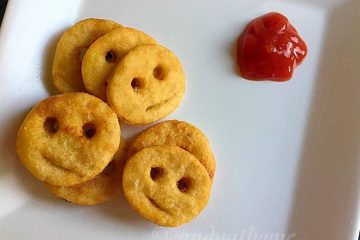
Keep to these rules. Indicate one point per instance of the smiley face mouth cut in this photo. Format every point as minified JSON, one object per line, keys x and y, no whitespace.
{"x":56,"y":165}
{"x":156,"y":205}
{"x":161,"y":103}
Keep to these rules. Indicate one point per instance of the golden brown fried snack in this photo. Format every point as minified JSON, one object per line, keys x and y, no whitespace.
{"x":166,"y":184}
{"x":181,"y":134}
{"x":103,"y":55}
{"x":66,"y":70}
{"x":146,"y":85}
{"x":68,"y":139}
{"x":105,"y":186}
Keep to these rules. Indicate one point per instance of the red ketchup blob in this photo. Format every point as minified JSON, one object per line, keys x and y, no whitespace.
{"x":269,"y":49}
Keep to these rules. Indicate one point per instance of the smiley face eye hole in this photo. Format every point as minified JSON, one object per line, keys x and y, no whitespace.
{"x":158,"y":73}
{"x":137,"y":84}
{"x":110,"y":56}
{"x":51,"y":125}
{"x":184,"y":184}
{"x":156,"y":172}
{"x":109,"y":169}
{"x":89,"y":130}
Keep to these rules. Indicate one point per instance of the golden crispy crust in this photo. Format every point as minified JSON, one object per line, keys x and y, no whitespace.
{"x":66,"y":70}
{"x":68,"y":139}
{"x":103,"y":55}
{"x":181,"y":134}
{"x":166,"y":185}
{"x":105,"y":186}
{"x":146,"y":85}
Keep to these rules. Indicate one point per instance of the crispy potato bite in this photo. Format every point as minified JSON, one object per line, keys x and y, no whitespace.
{"x":146,"y":85}
{"x":166,"y":184}
{"x":68,"y":139}
{"x":73,"y":44}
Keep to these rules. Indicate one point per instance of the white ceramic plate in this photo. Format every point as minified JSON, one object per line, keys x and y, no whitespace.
{"x":287,"y":153}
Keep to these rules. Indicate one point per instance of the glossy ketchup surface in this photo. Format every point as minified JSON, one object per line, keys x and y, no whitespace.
{"x":269,"y":49}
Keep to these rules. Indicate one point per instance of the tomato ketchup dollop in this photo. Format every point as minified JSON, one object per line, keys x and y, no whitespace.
{"x":269,"y":49}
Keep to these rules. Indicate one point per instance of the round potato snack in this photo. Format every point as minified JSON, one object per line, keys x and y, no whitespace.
{"x":68,"y":139}
{"x":74,"y":42}
{"x":166,"y":184}
{"x":181,"y":134}
{"x":103,"y":55}
{"x":146,"y":85}
{"x":105,"y":186}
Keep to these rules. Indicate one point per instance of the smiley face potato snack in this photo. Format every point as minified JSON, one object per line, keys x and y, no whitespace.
{"x":146,"y":85}
{"x":166,"y":185}
{"x":74,"y":42}
{"x":68,"y":139}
